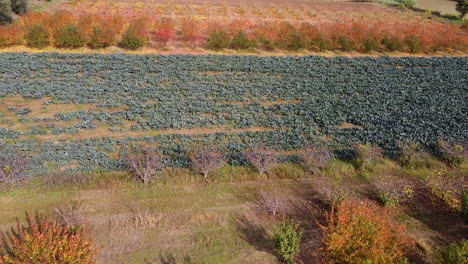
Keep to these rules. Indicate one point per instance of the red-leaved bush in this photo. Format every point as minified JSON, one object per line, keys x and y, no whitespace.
{"x":46,"y":241}
{"x":362,"y":232}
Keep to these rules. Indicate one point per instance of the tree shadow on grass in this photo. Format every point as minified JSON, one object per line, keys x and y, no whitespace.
{"x":255,"y":234}
{"x":170,"y":258}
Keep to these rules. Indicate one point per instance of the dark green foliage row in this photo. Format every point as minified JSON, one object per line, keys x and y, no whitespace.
{"x":388,"y":99}
{"x":5,"y":12}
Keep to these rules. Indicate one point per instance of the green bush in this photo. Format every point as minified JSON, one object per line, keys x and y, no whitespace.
{"x":131,"y":40}
{"x":102,"y":37}
{"x":266,"y":44}
{"x":413,"y":43}
{"x":241,"y":41}
{"x":37,"y":37}
{"x":462,"y":7}
{"x":392,"y":43}
{"x":456,"y":253}
{"x":464,"y":211}
{"x":407,"y":3}
{"x":5,"y":12}
{"x":346,"y":44}
{"x":218,"y":40}
{"x":370,"y":44}
{"x":297,"y":40}
{"x":69,"y":37}
{"x":287,"y":238}
{"x":19,"y":6}
{"x":321,"y":43}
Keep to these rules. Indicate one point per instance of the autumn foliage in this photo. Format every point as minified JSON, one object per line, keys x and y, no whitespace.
{"x":46,"y":241}
{"x":357,"y":34}
{"x":362,"y":232}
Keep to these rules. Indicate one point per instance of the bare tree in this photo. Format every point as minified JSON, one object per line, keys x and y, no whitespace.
{"x":272,"y":203}
{"x":70,"y":214}
{"x":262,"y":160}
{"x":206,"y":159}
{"x":317,"y":157}
{"x":145,"y":164}
{"x":331,"y":189}
{"x":12,"y":169}
{"x":368,"y":154}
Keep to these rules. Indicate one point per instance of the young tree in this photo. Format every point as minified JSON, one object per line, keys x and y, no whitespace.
{"x":205,"y":159}
{"x":5,"y":12}
{"x":287,"y":238}
{"x":262,"y":160}
{"x":462,"y":7}
{"x":272,"y":203}
{"x":12,"y":169}
{"x":144,"y":165}
{"x":317,"y":157}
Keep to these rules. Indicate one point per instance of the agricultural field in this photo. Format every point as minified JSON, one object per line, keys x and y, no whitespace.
{"x":118,"y":101}
{"x":259,"y":131}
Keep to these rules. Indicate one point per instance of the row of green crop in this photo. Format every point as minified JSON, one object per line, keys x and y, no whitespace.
{"x":295,"y":100}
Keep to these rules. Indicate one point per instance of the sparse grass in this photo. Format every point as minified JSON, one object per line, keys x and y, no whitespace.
{"x":183,"y":217}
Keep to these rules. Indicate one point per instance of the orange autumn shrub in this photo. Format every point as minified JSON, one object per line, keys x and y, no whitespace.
{"x":46,"y":241}
{"x":190,"y":28}
{"x":142,"y":27}
{"x":266,"y":35}
{"x":164,"y":31}
{"x":100,"y":31}
{"x":33,"y":18}
{"x":60,"y":19}
{"x":11,"y":35}
{"x":362,"y":232}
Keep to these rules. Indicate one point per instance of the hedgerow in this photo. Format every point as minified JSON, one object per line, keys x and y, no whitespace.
{"x":387,"y":100}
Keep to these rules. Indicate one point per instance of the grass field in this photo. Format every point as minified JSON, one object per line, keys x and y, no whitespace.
{"x":182,"y":218}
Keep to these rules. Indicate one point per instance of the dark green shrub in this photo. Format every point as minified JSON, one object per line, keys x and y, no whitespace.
{"x":321,"y":43}
{"x":131,"y":40}
{"x":346,"y":44}
{"x":370,"y":44}
{"x":37,"y":37}
{"x":5,"y":12}
{"x":19,"y":6}
{"x":218,"y":40}
{"x":241,"y":41}
{"x":456,"y":253}
{"x":266,"y":44}
{"x":462,"y":7}
{"x":392,"y":43}
{"x":287,"y":238}
{"x":69,"y":37}
{"x":464,"y":211}
{"x":297,"y":40}
{"x":413,"y":43}
{"x":102,"y":37}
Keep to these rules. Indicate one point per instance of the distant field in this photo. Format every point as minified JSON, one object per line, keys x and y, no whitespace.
{"x":444,"y":6}
{"x":87,"y":111}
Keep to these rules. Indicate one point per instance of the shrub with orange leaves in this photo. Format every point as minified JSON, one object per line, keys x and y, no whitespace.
{"x":100,"y":31}
{"x":191,"y":30}
{"x":33,"y":18}
{"x":60,"y":19}
{"x":142,"y":27}
{"x":10,"y":35}
{"x":164,"y":32}
{"x":46,"y":241}
{"x":362,"y":232}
